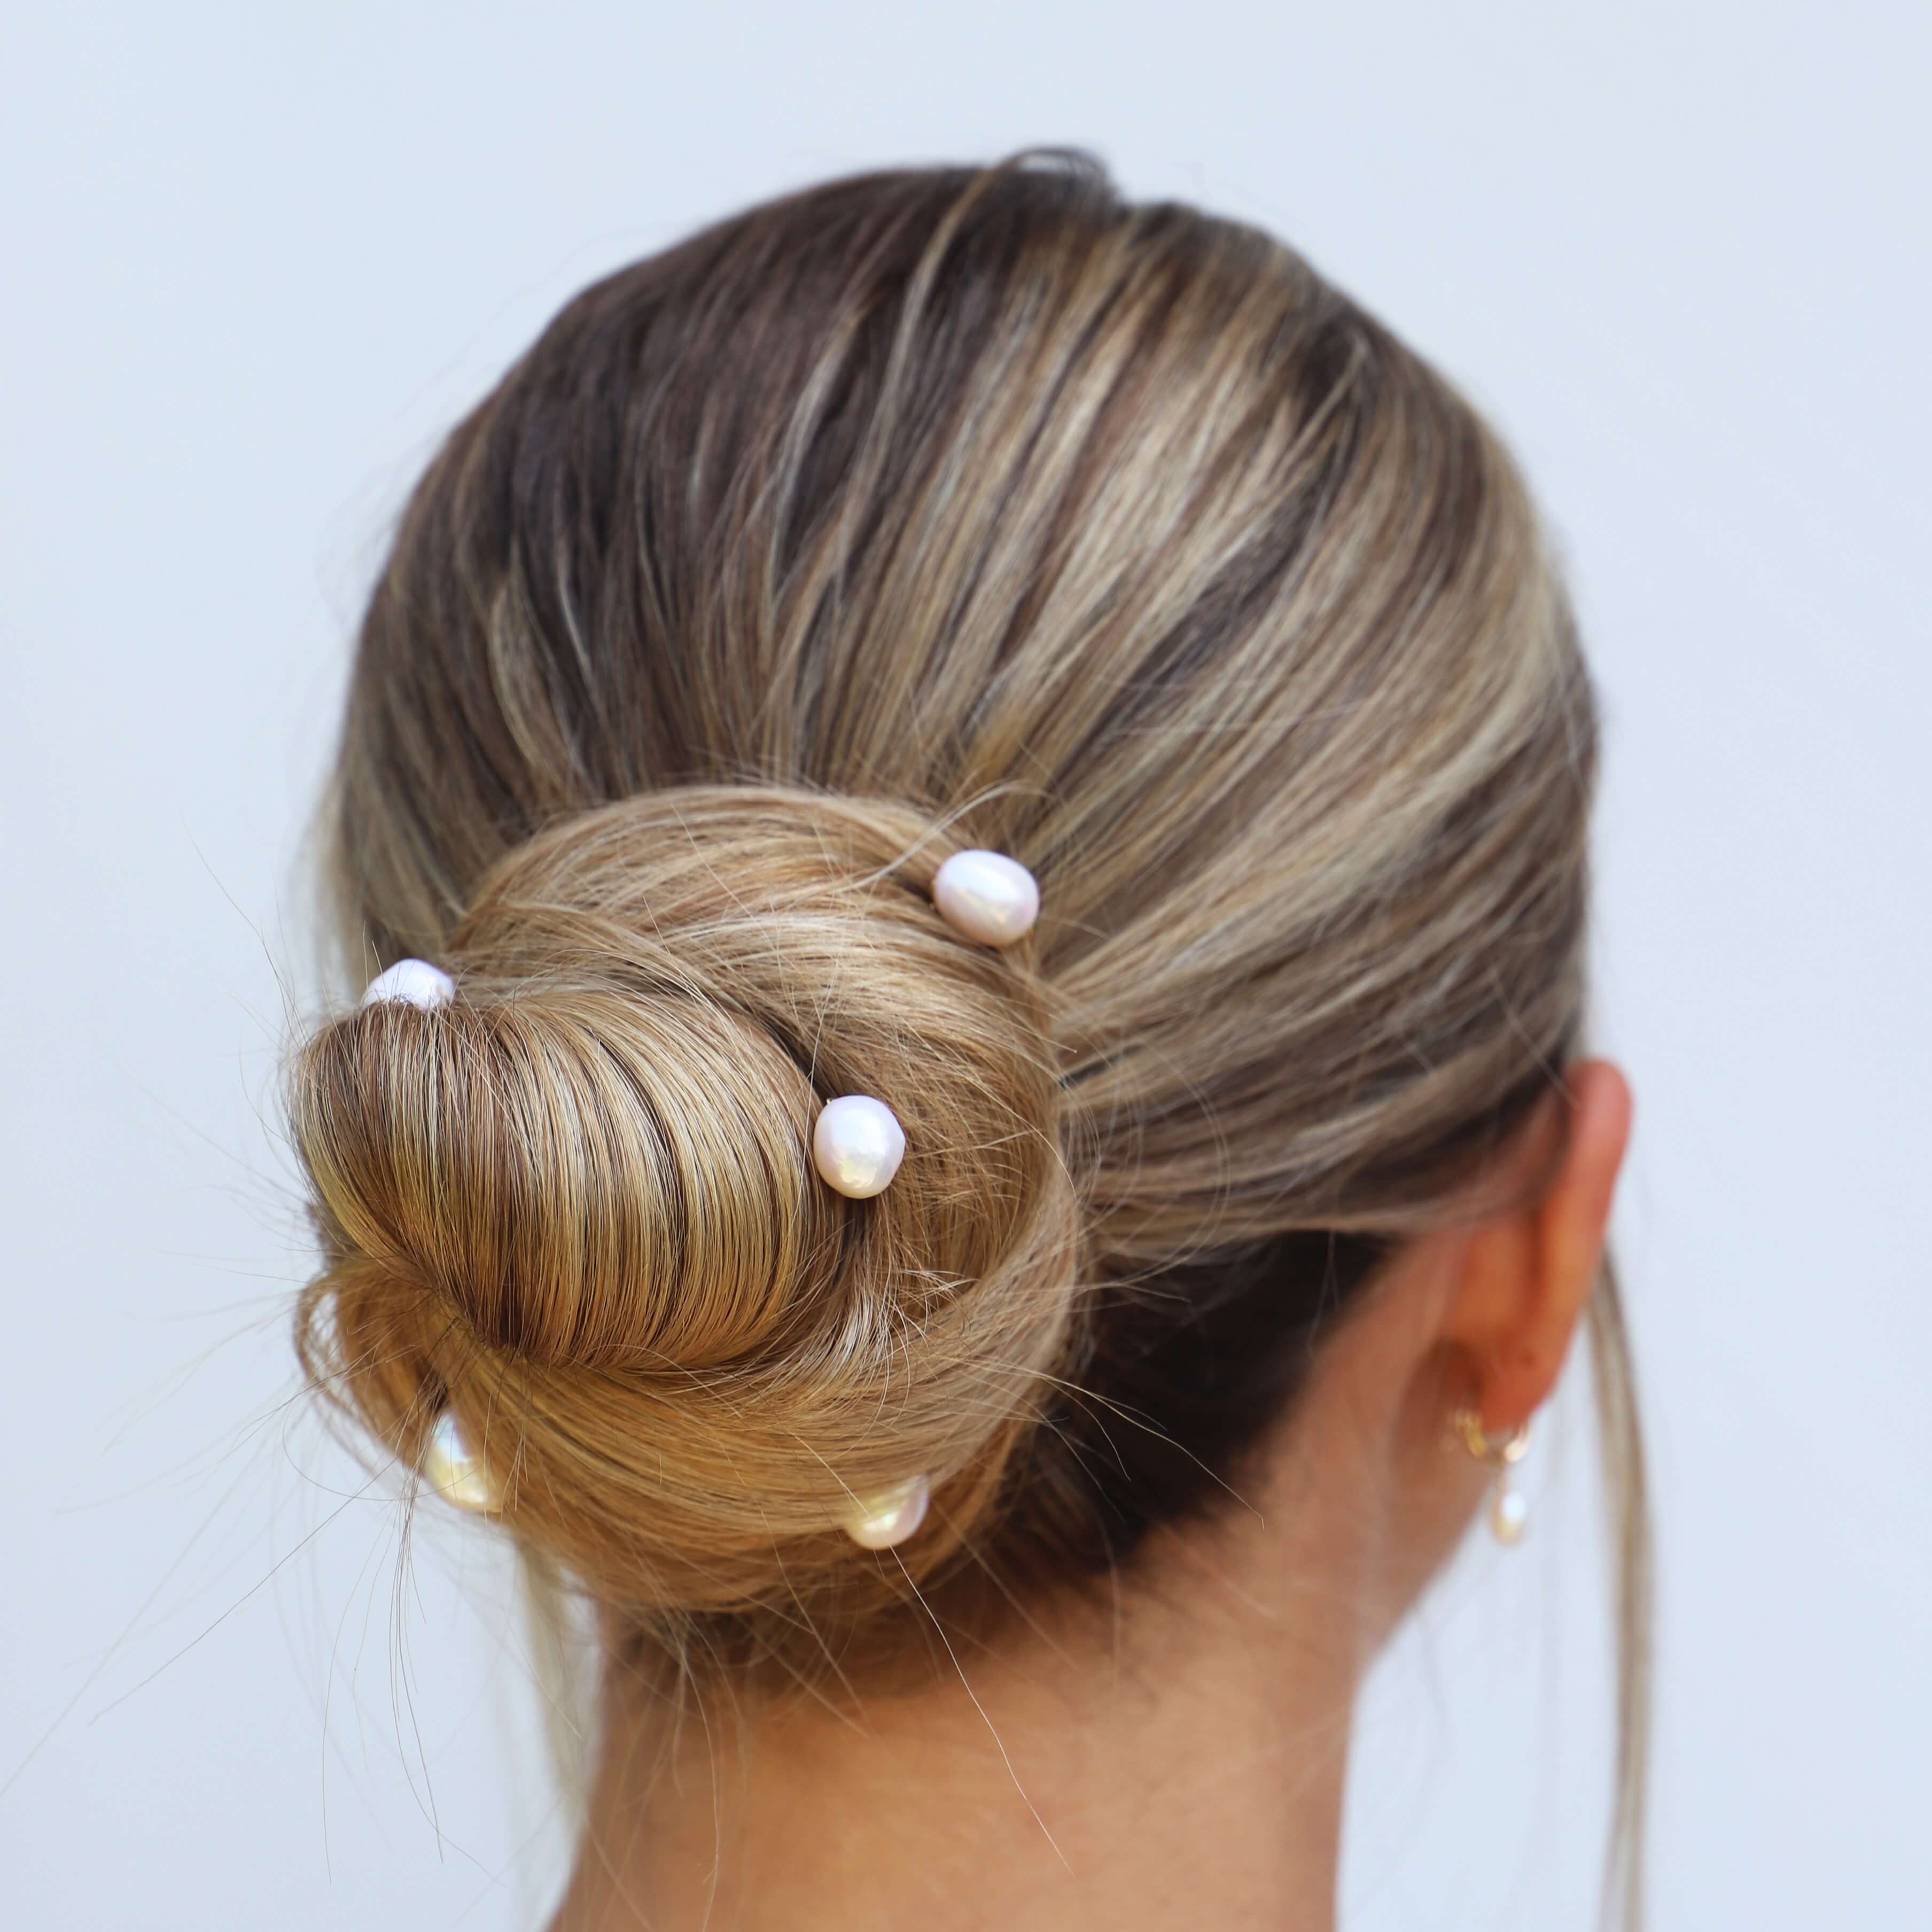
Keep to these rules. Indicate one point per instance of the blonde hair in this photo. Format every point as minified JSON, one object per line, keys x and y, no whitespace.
{"x":928,"y":509}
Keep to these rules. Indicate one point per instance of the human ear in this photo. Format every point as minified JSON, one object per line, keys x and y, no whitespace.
{"x":1527,"y":1272}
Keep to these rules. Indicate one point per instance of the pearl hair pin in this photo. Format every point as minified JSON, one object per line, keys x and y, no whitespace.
{"x":415,"y":982}
{"x":891,"y":1517}
{"x":857,"y":1145}
{"x":456,"y":1473}
{"x":987,"y":896}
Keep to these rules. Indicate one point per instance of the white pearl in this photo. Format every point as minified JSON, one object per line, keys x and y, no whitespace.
{"x":416,"y":982}
{"x":1509,"y":1516}
{"x":883,"y":1520}
{"x":857,"y":1145}
{"x":450,"y":1469}
{"x":987,"y":896}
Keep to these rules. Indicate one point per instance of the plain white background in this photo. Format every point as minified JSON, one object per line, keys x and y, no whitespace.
{"x":257,"y":258}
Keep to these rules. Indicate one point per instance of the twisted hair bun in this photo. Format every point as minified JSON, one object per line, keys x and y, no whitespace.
{"x":576,"y":1206}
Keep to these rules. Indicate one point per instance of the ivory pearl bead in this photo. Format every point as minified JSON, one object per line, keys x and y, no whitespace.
{"x":883,"y":1520}
{"x":415,"y":982}
{"x":987,"y":896}
{"x":1509,"y":1516}
{"x":450,"y":1469}
{"x":857,"y":1145}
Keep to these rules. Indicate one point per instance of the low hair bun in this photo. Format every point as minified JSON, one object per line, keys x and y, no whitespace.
{"x":577,"y":1206}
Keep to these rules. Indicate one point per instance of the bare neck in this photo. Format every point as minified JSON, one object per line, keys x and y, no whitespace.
{"x":1183,"y":1765}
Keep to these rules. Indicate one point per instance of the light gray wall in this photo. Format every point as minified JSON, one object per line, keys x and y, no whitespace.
{"x":256,"y":257}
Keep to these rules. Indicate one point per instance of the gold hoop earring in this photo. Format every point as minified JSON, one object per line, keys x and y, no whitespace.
{"x":1509,"y":1507}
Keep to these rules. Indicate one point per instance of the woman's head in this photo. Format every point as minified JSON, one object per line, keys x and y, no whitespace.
{"x":923,"y":511}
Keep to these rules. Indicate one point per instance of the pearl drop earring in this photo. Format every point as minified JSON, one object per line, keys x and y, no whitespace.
{"x":1509,"y":1507}
{"x":456,"y":1473}
{"x":987,"y":896}
{"x":891,"y":1517}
